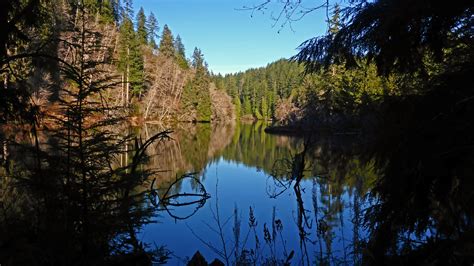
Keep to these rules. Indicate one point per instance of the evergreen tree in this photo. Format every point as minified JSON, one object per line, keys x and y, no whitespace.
{"x":142,"y":31}
{"x":189,"y":100}
{"x":103,"y":9}
{"x":179,"y":46}
{"x":334,"y":22}
{"x":264,"y":108}
{"x":115,"y":8}
{"x":130,"y":61}
{"x":247,"y":106}
{"x":196,"y":98}
{"x":197,"y":59}
{"x":108,"y":12}
{"x":152,"y":27}
{"x":238,"y":107}
{"x":127,"y":10}
{"x":180,"y":53}
{"x":136,"y":74}
{"x":166,"y":47}
{"x":201,"y":87}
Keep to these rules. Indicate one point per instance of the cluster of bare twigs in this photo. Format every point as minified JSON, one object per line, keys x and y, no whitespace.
{"x":287,"y":11}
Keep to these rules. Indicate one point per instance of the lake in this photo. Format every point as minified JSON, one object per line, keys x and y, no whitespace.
{"x":252,"y":209}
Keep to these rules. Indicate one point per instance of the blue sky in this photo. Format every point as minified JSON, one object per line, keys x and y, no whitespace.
{"x":232,"y":40}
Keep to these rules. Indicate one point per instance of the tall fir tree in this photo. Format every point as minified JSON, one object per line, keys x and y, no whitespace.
{"x":179,"y":46}
{"x":201,"y":87}
{"x":127,"y":10}
{"x":180,"y":53}
{"x":238,"y":107}
{"x":152,"y":27}
{"x":166,"y":47}
{"x":142,"y":31}
{"x":130,"y":61}
{"x":264,"y":108}
{"x":247,"y":106}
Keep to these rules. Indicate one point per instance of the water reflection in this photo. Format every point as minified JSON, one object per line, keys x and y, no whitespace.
{"x":64,"y":203}
{"x":304,"y":197}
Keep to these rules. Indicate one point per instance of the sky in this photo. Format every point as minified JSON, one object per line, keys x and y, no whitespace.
{"x":233,"y":40}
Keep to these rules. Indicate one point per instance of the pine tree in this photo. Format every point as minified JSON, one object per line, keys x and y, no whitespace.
{"x":152,"y":27}
{"x":166,"y":47}
{"x":142,"y":31}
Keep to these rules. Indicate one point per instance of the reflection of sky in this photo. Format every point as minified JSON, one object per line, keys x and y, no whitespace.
{"x":232,"y":40}
{"x":242,"y":186}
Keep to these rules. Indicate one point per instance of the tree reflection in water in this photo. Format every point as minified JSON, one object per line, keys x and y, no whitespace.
{"x":330,"y":169}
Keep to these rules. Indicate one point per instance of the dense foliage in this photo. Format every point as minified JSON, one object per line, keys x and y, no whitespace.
{"x":427,"y":139}
{"x":257,"y":92}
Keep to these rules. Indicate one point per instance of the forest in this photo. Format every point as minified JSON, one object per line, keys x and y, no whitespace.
{"x":82,"y":79}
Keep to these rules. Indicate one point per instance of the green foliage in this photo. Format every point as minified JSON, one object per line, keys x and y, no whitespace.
{"x":180,"y":53}
{"x":189,"y":100}
{"x":106,"y":10}
{"x":247,"y":110}
{"x":321,"y":95}
{"x":152,"y":27}
{"x":166,"y":47}
{"x":130,"y":61}
{"x":396,"y":35}
{"x":201,"y":87}
{"x":264,"y":108}
{"x":136,"y":71}
{"x":238,"y":107}
{"x":273,"y":82}
{"x":196,"y":97}
{"x":142,"y":31}
{"x":74,"y":204}
{"x":127,"y":10}
{"x":334,"y":22}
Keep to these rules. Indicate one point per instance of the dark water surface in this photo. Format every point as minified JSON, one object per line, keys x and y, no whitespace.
{"x":255,"y":212}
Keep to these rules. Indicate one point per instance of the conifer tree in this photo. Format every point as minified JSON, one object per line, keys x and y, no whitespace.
{"x":334,"y":22}
{"x":180,"y":53}
{"x":238,"y":107}
{"x":247,"y":106}
{"x":166,"y":47}
{"x":264,"y":108}
{"x":152,"y":27}
{"x":142,"y":31}
{"x":136,"y":74}
{"x":201,"y":86}
{"x":179,"y":46}
{"x":130,"y":61}
{"x":196,"y":98}
{"x":127,"y":10}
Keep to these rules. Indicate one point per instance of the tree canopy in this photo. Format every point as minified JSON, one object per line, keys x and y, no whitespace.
{"x":166,"y":47}
{"x":397,"y":35}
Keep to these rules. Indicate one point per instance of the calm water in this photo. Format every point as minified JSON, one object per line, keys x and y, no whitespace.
{"x":245,"y":170}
